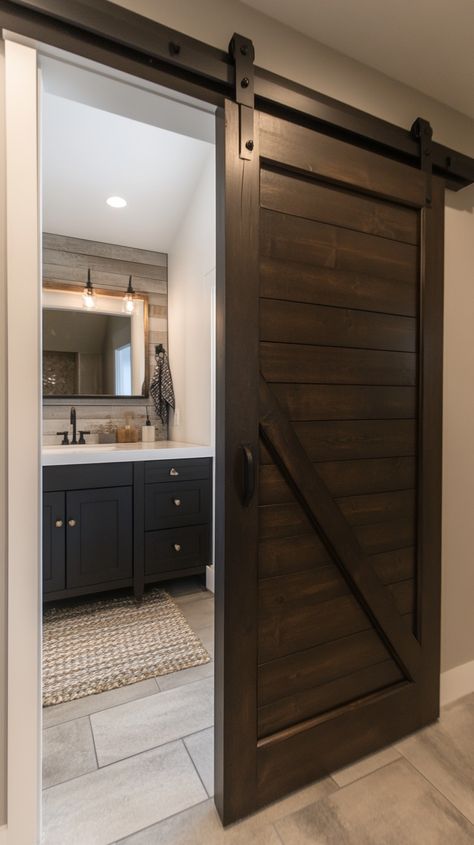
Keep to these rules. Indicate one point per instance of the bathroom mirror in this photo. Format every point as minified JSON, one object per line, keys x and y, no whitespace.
{"x":95,"y":352}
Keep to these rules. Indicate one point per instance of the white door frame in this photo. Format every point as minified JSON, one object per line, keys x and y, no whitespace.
{"x":24,"y":454}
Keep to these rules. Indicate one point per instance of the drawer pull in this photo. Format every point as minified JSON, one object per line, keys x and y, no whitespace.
{"x":72,"y":523}
{"x":177,"y":547}
{"x":174,"y":472}
{"x":177,"y":502}
{"x":59,"y":523}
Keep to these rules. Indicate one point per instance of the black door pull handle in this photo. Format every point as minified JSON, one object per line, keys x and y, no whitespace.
{"x":249,"y":474}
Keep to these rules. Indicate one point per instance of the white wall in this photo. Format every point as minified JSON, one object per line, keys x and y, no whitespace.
{"x":458,"y":459}
{"x":303,"y":60}
{"x":191,"y":281}
{"x":3,"y":459}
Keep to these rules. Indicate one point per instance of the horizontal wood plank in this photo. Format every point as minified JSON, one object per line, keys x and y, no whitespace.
{"x":404,"y":594}
{"x":314,"y":667}
{"x":332,"y":441}
{"x":293,"y":709}
{"x":298,"y":363}
{"x":394,"y":566}
{"x":343,"y":478}
{"x":296,"y":281}
{"x":289,"y":519}
{"x":345,"y":402}
{"x":304,"y":149}
{"x":285,"y":555}
{"x":78,"y":276}
{"x":298,"y":322}
{"x":296,"y":239}
{"x":378,"y":507}
{"x":291,"y":193}
{"x":305,"y":551}
{"x":297,"y":626}
{"x":386,"y":536}
{"x":100,"y":249}
{"x":105,"y":265}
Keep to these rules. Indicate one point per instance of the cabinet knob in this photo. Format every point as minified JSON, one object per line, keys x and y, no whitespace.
{"x":177,"y":547}
{"x":72,"y":523}
{"x":177,"y":502}
{"x":59,"y":523}
{"x":174,"y":472}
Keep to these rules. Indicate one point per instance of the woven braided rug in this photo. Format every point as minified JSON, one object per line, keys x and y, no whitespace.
{"x":103,"y":644}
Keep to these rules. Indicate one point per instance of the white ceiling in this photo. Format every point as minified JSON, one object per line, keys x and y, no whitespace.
{"x":90,"y":154}
{"x":427,"y":44}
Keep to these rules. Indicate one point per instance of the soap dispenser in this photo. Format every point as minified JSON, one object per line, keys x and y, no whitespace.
{"x":148,"y":430}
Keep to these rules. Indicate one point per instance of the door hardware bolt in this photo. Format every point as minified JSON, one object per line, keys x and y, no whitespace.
{"x":175,"y":49}
{"x":244,"y":49}
{"x":245,"y":82}
{"x":250,"y":145}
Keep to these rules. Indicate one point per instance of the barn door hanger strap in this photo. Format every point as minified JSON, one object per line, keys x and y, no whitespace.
{"x":242,"y":52}
{"x":422,"y":131}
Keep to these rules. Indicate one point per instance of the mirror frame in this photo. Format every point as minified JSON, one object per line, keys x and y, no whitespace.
{"x":64,"y":287}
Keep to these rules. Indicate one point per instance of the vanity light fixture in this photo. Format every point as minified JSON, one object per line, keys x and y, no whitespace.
{"x":129,"y":299}
{"x":88,"y":295}
{"x":116,"y":202}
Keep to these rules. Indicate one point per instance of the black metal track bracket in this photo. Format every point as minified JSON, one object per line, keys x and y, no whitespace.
{"x":243,"y":54}
{"x":421,"y":130}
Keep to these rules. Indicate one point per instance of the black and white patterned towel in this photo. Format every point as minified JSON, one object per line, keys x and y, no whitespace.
{"x":161,"y":387}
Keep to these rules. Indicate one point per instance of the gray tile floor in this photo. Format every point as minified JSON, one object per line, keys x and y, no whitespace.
{"x":135,"y":766}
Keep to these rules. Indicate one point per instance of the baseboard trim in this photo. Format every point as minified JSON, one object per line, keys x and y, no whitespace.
{"x":456,"y":682}
{"x":210,"y":578}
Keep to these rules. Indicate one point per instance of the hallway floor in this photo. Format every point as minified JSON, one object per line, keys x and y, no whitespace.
{"x":135,"y":766}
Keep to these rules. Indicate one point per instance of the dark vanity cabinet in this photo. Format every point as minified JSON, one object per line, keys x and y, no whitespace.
{"x":177,"y":517}
{"x":107,"y":526}
{"x":54,"y":542}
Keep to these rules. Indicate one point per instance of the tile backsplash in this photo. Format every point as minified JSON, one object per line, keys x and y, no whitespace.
{"x":65,"y":262}
{"x":96,"y":418}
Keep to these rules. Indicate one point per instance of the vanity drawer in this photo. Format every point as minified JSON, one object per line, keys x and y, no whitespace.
{"x":184,"y":469}
{"x":86,"y":476}
{"x":181,"y":503}
{"x":176,"y":548}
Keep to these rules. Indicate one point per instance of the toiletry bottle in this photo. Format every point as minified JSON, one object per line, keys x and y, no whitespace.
{"x":148,"y":430}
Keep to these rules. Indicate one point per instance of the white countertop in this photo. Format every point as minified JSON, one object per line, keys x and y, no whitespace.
{"x":102,"y":453}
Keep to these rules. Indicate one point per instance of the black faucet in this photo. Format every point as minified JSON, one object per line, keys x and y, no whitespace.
{"x":73,"y":423}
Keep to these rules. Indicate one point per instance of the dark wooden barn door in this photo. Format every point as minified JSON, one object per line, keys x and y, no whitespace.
{"x":329,"y":486}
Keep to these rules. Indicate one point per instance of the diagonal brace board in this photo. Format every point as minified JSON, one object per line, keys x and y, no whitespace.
{"x":336,"y":532}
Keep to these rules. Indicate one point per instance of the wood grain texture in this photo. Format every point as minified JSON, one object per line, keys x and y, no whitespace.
{"x":343,"y":478}
{"x":345,"y":402}
{"x":305,"y":150}
{"x":336,"y":533}
{"x":304,"y":197}
{"x":99,"y":249}
{"x":336,"y":441}
{"x":321,"y":699}
{"x":67,"y":260}
{"x":314,"y":667}
{"x":299,"y":363}
{"x":294,"y":280}
{"x":321,"y":325}
{"x":296,"y":239}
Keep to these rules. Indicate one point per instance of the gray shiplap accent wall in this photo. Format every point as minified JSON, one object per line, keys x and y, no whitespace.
{"x":65,"y":261}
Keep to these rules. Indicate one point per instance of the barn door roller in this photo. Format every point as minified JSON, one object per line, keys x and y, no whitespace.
{"x":421,"y":130}
{"x":242,"y":52}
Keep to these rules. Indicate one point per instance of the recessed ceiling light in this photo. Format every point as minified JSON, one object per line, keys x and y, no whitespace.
{"x":116,"y":202}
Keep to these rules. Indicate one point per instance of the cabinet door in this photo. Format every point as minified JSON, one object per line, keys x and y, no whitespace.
{"x":54,"y":542}
{"x":99,"y":536}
